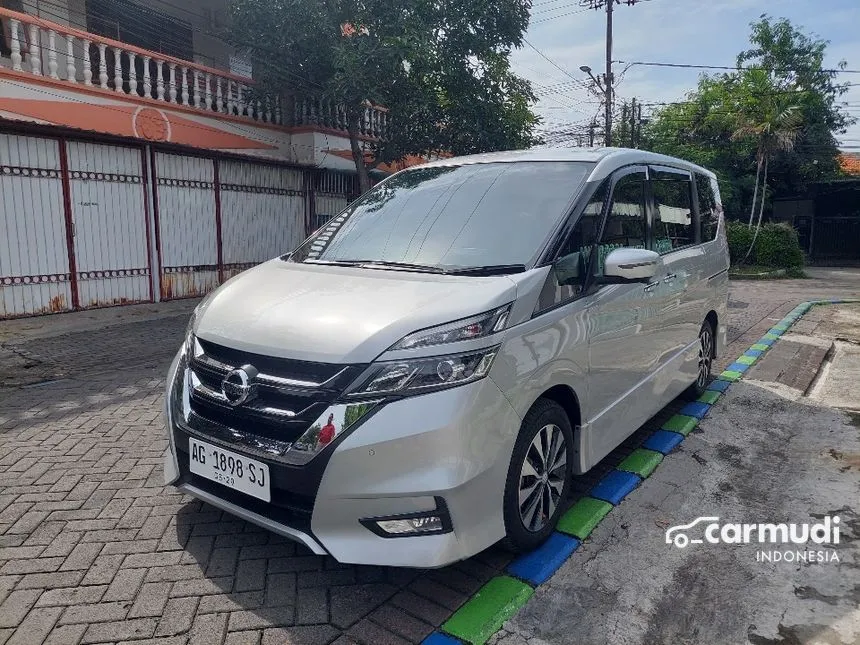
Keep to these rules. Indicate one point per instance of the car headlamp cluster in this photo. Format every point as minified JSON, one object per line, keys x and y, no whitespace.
{"x":478,"y":326}
{"x":424,"y":374}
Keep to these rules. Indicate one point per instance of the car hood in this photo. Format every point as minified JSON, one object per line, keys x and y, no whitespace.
{"x":338,"y":314}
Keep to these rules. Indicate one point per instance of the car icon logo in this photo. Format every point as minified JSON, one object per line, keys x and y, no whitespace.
{"x":676,"y":535}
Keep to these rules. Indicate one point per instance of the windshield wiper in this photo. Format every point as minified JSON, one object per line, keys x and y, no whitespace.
{"x":490,"y":269}
{"x":404,"y":266}
{"x":333,"y":263}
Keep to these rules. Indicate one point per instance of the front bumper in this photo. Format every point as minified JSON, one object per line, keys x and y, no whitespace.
{"x":454,"y":444}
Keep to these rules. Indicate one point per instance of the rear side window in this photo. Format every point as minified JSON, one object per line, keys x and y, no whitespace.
{"x":673,"y":216}
{"x":709,"y":216}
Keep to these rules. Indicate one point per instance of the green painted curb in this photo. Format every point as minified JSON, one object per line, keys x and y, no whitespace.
{"x":745,"y":360}
{"x":710,"y":397}
{"x":760,"y":347}
{"x":769,"y":336}
{"x":642,"y":462}
{"x":583,"y":516}
{"x":483,"y":615}
{"x":681,"y":424}
{"x":731,"y":375}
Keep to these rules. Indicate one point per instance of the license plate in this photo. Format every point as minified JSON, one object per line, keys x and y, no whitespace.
{"x":230,"y":469}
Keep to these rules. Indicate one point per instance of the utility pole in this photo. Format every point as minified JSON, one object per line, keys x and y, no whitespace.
{"x":608,"y":77}
{"x":633,"y":123}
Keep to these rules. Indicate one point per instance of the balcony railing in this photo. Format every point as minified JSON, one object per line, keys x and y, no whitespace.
{"x":43,"y":48}
{"x":326,"y":114}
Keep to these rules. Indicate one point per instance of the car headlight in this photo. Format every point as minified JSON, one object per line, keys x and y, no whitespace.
{"x":415,"y":376}
{"x":464,"y":329}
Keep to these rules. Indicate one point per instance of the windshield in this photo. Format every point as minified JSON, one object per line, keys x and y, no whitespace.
{"x":452,"y":217}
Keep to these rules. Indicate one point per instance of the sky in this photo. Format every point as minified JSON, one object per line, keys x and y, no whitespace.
{"x":699,"y":32}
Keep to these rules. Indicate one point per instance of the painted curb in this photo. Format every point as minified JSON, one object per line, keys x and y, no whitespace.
{"x":500,"y":598}
{"x":583,"y":516}
{"x":483,"y":615}
{"x":537,"y":567}
{"x":641,"y":462}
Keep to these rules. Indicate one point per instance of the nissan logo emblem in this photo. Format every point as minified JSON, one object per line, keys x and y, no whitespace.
{"x":238,"y":386}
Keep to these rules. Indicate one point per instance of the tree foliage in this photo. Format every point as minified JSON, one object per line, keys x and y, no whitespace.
{"x":780,"y":103}
{"x":441,"y":67}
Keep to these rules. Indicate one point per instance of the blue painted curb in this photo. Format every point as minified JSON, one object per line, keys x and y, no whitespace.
{"x":719,"y":386}
{"x":753,"y":353}
{"x":438,"y":638}
{"x":737,"y":367}
{"x":697,"y":409}
{"x":537,"y":567}
{"x":664,"y":441}
{"x":615,"y":486}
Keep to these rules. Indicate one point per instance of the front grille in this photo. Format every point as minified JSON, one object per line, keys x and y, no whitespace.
{"x":290,"y":395}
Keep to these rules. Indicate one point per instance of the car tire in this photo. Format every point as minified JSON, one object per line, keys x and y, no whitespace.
{"x":535,"y":495}
{"x":707,"y":347}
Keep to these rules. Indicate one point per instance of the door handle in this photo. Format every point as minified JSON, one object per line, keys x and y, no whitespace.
{"x":650,"y":286}
{"x":670,"y":277}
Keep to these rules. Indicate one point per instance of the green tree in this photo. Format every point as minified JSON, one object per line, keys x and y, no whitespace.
{"x":770,"y":115}
{"x":441,"y":68}
{"x":782,"y":69}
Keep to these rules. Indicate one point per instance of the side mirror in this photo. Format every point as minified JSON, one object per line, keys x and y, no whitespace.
{"x":631,"y":265}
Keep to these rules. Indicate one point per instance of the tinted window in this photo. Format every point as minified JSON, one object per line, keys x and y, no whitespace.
{"x":625,"y":224}
{"x":454,"y":216}
{"x":567,"y":278}
{"x":673,"y":216}
{"x":708,"y":215}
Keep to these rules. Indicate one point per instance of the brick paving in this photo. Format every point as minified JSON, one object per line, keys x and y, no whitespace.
{"x":94,"y":549}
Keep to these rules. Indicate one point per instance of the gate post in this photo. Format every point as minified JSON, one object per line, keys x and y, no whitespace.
{"x":70,"y":225}
{"x":218,"y":241}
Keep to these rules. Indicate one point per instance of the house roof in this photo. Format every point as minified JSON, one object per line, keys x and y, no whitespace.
{"x":850,"y":163}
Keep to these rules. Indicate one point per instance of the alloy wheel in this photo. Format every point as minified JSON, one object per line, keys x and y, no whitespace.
{"x":542,"y":477}
{"x":706,"y":353}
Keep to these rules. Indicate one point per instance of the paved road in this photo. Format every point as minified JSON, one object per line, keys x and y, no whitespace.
{"x":94,"y":549}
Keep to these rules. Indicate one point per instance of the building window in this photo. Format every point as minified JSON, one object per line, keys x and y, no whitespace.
{"x":141,"y":26}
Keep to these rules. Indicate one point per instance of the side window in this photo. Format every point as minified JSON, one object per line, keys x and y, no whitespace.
{"x":673,"y":214}
{"x":709,"y":217}
{"x":567,"y":277}
{"x":625,"y":224}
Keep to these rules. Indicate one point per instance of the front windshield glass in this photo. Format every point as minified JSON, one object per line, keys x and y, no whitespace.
{"x":452,"y":217}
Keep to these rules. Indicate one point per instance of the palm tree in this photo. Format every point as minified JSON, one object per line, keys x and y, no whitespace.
{"x":770,"y":115}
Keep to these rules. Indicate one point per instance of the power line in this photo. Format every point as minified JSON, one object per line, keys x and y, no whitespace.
{"x":735,"y":68}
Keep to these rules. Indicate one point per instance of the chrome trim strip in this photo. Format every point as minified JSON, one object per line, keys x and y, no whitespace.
{"x":203,"y":391}
{"x":718,"y":273}
{"x":254,"y":518}
{"x":266,"y":379}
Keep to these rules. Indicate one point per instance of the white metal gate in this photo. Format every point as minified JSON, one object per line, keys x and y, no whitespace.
{"x":35,"y":276}
{"x":109,"y":224}
{"x":187,"y":225}
{"x":332,"y":193}
{"x":262,"y":213}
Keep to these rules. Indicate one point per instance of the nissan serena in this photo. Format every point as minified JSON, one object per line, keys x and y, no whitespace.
{"x":425,"y":375}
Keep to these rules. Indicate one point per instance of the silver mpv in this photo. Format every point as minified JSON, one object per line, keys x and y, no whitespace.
{"x":424,"y":376}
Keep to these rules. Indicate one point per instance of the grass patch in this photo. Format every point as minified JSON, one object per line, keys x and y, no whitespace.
{"x":757,"y":272}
